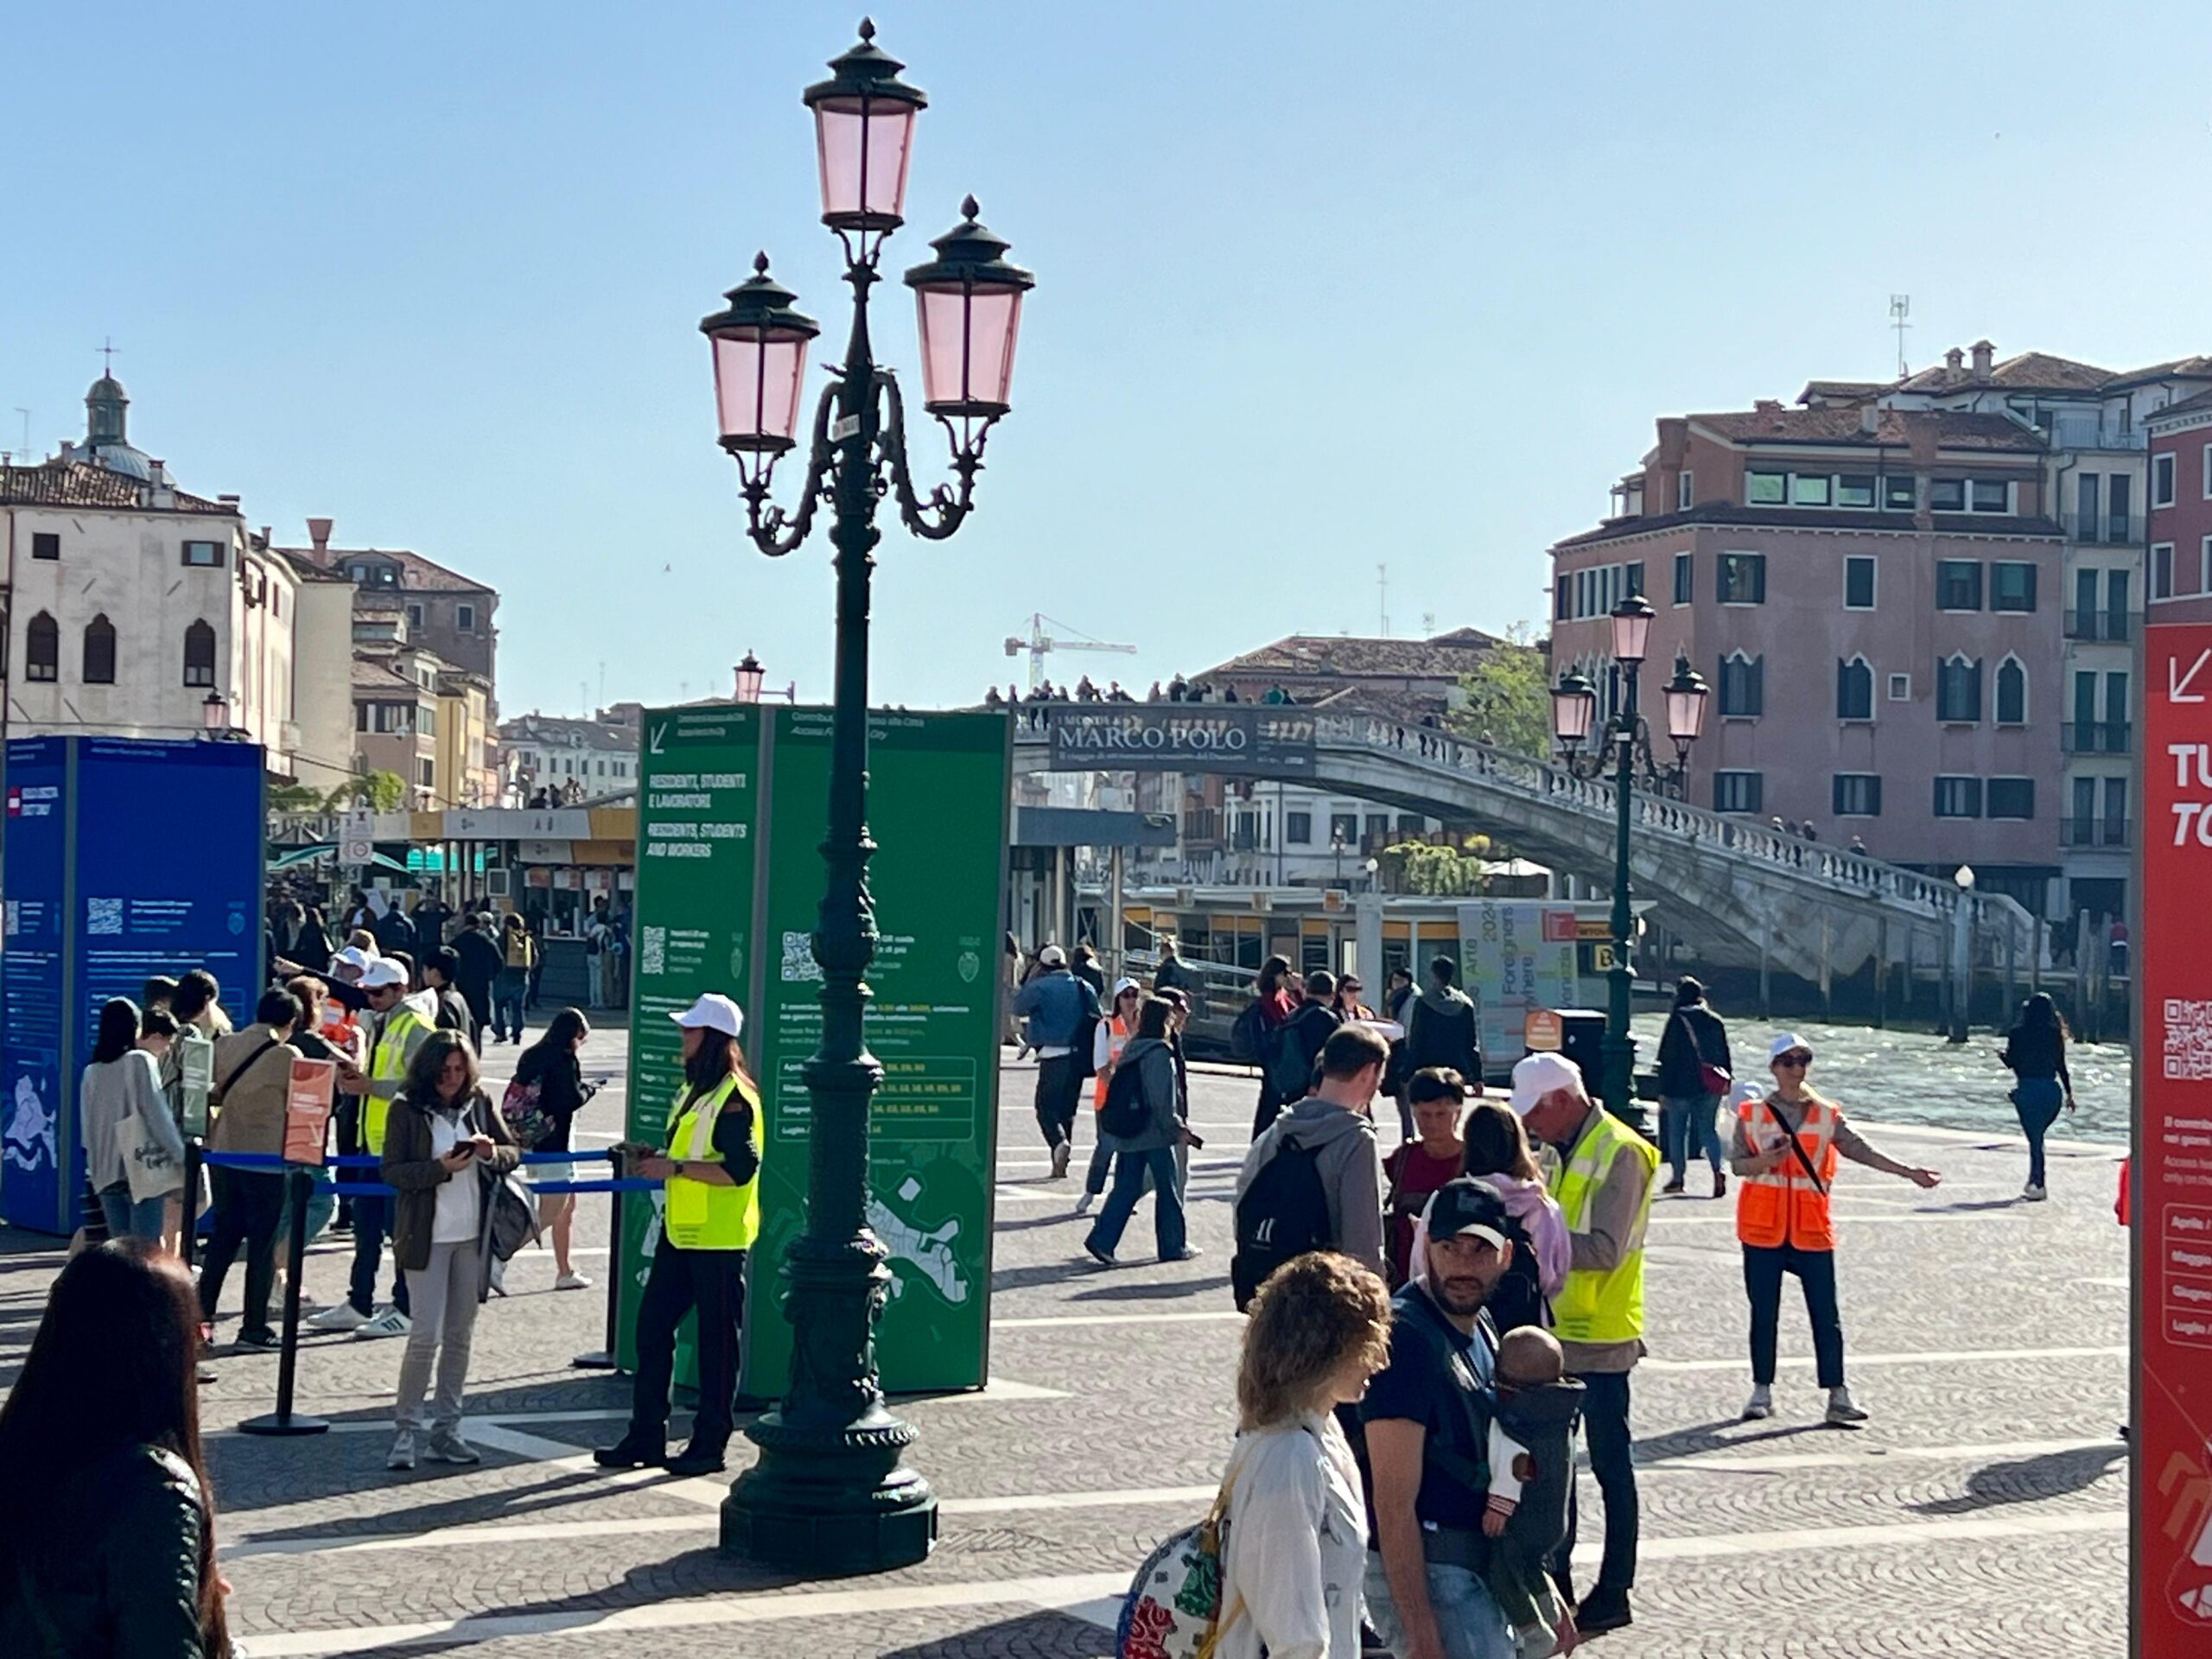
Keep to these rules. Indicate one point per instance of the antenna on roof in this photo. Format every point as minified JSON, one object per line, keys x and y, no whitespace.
{"x":1900,"y":308}
{"x":1383,"y":604}
{"x":25,"y":452}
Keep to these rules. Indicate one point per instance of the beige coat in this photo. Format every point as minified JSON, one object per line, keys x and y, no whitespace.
{"x":250,"y":1113}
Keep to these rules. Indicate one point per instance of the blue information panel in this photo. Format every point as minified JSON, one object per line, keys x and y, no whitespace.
{"x":125,"y":858}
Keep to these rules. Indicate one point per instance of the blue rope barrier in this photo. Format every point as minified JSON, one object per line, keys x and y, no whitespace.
{"x":358,"y":1160}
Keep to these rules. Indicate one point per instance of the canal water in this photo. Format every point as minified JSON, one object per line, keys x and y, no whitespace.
{"x":1912,"y":1077}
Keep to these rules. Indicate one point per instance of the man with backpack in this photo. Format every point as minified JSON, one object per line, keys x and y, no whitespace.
{"x":1425,"y":1423}
{"x":1303,"y":1034}
{"x":1441,"y":1026}
{"x":1062,"y":1011}
{"x":1314,"y":1180}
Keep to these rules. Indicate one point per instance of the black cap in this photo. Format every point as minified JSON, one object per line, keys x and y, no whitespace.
{"x":1468,"y":1205}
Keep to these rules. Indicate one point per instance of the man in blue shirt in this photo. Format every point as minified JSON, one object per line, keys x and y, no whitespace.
{"x":1426,"y":1425}
{"x":1061,"y":1010}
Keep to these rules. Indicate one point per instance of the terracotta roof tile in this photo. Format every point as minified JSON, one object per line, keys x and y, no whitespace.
{"x":1955,"y":429}
{"x":1725,"y":513}
{"x":2196,"y":405}
{"x":1302,"y":656}
{"x":422,"y":574}
{"x":79,"y":483}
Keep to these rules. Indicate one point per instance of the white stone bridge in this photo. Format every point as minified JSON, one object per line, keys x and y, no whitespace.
{"x":1739,"y":893}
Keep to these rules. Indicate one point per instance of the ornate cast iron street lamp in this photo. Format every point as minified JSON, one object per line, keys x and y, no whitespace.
{"x":831,"y":1491}
{"x":1624,"y":744}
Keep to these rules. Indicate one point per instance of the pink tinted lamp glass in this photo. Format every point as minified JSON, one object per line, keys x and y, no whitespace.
{"x":864,"y":146}
{"x":757,"y":384}
{"x":968,"y":341}
{"x":1631,"y":630}
{"x":1571,"y":713}
{"x":1686,"y":715}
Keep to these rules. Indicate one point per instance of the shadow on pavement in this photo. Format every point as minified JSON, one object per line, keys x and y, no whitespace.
{"x":2029,"y":1480}
{"x":1035,"y":1635}
{"x":1708,"y":1437}
{"x":1135,"y":1292}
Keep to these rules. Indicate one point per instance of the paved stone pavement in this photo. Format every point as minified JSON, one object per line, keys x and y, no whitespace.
{"x":1981,"y":1512}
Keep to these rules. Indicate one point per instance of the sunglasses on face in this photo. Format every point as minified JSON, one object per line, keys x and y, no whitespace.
{"x":1795,"y":1062}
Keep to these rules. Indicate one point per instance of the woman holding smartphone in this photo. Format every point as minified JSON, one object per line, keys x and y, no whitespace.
{"x":710,"y":1168}
{"x":440,"y":1140}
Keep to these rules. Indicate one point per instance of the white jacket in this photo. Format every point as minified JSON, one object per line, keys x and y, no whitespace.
{"x":1297,"y":1547}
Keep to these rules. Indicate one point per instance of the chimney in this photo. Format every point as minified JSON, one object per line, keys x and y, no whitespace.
{"x":1767,"y":406}
{"x":1869,"y":418}
{"x":319,"y":533}
{"x":1953,"y":364}
{"x":228,"y":500}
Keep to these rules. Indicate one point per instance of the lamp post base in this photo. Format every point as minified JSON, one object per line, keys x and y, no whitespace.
{"x":832,"y":1501}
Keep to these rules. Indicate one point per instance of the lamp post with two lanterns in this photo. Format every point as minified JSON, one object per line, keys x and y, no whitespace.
{"x":1624,"y":744}
{"x":831,"y":1491}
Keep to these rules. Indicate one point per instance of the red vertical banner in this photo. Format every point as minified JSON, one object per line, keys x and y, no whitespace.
{"x":2171,"y":1183}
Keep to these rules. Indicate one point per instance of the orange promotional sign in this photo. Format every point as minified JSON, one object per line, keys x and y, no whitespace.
{"x":1543,"y":1032}
{"x":307,"y":1110}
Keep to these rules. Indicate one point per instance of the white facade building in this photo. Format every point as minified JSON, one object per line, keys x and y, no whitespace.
{"x":130,"y":603}
{"x":582,"y":759}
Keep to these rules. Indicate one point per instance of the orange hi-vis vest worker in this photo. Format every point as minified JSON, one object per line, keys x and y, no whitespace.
{"x":1118,"y":1039}
{"x":1786,"y":1206}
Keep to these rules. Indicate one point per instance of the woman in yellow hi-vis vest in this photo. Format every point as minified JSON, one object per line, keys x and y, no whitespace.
{"x":711,"y":1169}
{"x":1784,"y":1154}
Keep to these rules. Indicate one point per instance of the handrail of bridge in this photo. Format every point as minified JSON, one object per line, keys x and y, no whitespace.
{"x":1794,"y":855}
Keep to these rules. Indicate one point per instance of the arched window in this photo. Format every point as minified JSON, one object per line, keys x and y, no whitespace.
{"x":1958,"y":691}
{"x":43,"y":649}
{"x":2011,"y":693}
{"x":1855,"y":690}
{"x":199,"y":654}
{"x":99,"y":650}
{"x":1743,"y":685}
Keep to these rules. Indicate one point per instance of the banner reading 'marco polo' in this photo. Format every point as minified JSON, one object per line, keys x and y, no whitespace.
{"x":1257,"y":740}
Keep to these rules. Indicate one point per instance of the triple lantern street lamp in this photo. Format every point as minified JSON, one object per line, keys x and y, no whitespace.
{"x":1624,"y":744}
{"x":831,"y":1489}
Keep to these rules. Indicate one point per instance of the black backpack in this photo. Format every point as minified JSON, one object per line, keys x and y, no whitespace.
{"x":1125,"y":1115}
{"x":1248,"y":1037}
{"x":1518,"y":1299}
{"x":1284,"y":1213}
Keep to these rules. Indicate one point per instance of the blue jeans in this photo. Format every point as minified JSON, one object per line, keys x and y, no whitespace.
{"x":1129,"y":1170}
{"x":507,"y":992}
{"x":372,"y":1223}
{"x":1681,"y":1117}
{"x":1467,"y":1620}
{"x":131,"y":1218}
{"x":2038,"y":1100}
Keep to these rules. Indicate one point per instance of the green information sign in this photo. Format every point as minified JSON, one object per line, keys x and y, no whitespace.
{"x":744,"y":907}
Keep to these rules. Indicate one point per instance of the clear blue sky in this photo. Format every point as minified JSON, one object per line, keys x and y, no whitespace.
{"x":1320,"y":287}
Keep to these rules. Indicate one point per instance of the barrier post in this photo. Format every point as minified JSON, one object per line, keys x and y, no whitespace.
{"x":283,"y":1421}
{"x":602,"y":1359}
{"x":188,"y":1241}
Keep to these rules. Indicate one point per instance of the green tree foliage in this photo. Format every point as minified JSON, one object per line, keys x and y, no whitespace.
{"x":379,"y":792}
{"x":1435,"y":872}
{"x":1508,"y":699}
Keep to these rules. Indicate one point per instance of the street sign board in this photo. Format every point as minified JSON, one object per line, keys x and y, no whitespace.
{"x":732,"y":806}
{"x":1516,"y":956}
{"x":2171,"y":1174}
{"x":1256,"y":739}
{"x":96,"y":905}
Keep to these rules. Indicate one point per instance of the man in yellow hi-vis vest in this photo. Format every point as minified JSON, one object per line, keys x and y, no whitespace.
{"x":1602,"y":1183}
{"x":710,"y":1170}
{"x":402,"y":1023}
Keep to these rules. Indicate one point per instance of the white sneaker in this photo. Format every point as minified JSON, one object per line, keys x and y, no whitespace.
{"x":1841,"y":1412}
{"x":1760,"y":1405}
{"x":572,"y":1281}
{"x":2033,"y":1193}
{"x":402,"y":1450}
{"x":1082,"y":1205}
{"x":446,"y":1446}
{"x":344,"y":1317}
{"x":390,"y":1322}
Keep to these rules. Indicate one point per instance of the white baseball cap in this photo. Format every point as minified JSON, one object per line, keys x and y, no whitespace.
{"x":352,"y":957}
{"x":1125,"y":984}
{"x":380,"y":973}
{"x":1537,"y":1075}
{"x":715,"y":1012}
{"x":1052,"y":956}
{"x":1787,"y":1043}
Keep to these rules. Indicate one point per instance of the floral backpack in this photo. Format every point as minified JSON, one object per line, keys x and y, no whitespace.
{"x":1174,"y":1610}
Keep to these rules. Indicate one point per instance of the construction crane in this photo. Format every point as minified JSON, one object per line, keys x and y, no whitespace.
{"x":1040,"y":642}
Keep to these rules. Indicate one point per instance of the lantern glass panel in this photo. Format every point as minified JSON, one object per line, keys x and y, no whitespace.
{"x":864,"y":145}
{"x":968,"y":341}
{"x":757,"y":385}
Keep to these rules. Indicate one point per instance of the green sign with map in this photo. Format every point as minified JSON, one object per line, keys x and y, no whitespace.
{"x":732,"y":805}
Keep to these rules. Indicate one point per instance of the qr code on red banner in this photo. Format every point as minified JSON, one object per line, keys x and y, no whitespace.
{"x":2189,"y":1040}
